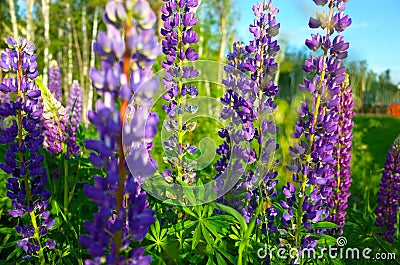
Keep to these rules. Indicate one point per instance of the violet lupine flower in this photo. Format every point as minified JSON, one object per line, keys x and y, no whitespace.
{"x":179,"y":20}
{"x":389,"y":193}
{"x":128,"y":50}
{"x":262,"y":66}
{"x":313,"y":156}
{"x":74,"y":109}
{"x":55,"y":125}
{"x":252,"y":100}
{"x":55,"y":80}
{"x":342,"y":180}
{"x":239,"y":112}
{"x":75,"y":101}
{"x":23,"y":162}
{"x":4,"y":98}
{"x":55,"y":120}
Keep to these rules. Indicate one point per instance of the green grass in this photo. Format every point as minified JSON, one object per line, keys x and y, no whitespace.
{"x":379,"y":136}
{"x":373,"y":136}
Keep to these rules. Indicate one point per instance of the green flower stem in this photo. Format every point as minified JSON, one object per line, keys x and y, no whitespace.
{"x":66,"y":201}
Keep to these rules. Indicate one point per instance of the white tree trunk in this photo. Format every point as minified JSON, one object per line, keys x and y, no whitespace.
{"x":70,"y":59}
{"x":13,"y":18}
{"x":29,"y":20}
{"x":45,"y":12}
{"x":85,"y":55}
{"x":92,"y":90}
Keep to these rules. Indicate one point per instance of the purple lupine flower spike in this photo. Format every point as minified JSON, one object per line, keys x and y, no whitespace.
{"x":342,"y":180}
{"x":55,"y":80}
{"x":314,"y":156}
{"x":23,"y":136}
{"x":248,"y":100}
{"x":128,"y":49}
{"x":75,"y":111}
{"x":75,"y":100}
{"x":55,"y":125}
{"x":179,"y":36}
{"x":389,"y":193}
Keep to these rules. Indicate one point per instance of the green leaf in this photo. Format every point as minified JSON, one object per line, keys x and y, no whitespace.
{"x":8,"y":231}
{"x":16,"y":253}
{"x":234,"y":213}
{"x":220,"y":259}
{"x":325,"y":239}
{"x":196,"y":237}
{"x":181,"y":226}
{"x":210,"y":261}
{"x":213,"y":229}
{"x":324,"y":225}
{"x":206,"y":235}
{"x":70,"y":226}
{"x":187,"y":210}
{"x":200,"y":188}
{"x":9,"y":244}
{"x":234,"y":237}
{"x":228,"y":256}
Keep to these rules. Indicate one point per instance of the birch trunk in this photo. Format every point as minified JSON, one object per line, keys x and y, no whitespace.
{"x":70,"y":59}
{"x":78,"y":53}
{"x":223,"y":30}
{"x":45,"y":12}
{"x":92,"y":90}
{"x":84,"y":73}
{"x":13,"y":18}
{"x":29,"y":20}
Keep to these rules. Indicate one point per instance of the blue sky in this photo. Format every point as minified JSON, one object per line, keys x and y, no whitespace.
{"x":373,"y":36}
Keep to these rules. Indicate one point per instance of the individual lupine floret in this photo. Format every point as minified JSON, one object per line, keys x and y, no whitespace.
{"x":128,"y":49}
{"x":389,"y":194}
{"x":23,"y":138}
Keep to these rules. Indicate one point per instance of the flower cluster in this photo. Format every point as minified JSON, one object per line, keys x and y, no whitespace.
{"x":23,"y":138}
{"x":179,"y":20}
{"x":342,"y":180}
{"x":252,"y":102}
{"x":75,"y":103}
{"x":74,"y":118}
{"x":389,"y":193}
{"x":128,"y":49}
{"x":4,"y":98}
{"x":55,"y":125}
{"x":55,"y":80}
{"x":314,"y":156}
{"x":55,"y":120}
